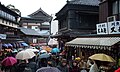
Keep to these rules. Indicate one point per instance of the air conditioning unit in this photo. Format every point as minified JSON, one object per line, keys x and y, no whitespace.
{"x":111,"y":18}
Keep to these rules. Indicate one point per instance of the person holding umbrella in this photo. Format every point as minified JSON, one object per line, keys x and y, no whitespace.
{"x":63,"y":66}
{"x":32,"y":65}
{"x":100,"y":60}
{"x":94,"y":67}
{"x":21,"y":66}
{"x":8,"y":63}
{"x":55,"y":50}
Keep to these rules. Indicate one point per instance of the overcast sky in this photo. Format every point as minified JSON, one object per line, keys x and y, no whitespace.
{"x":29,"y":6}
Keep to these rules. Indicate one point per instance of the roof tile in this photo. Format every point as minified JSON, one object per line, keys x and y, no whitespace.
{"x":86,"y":2}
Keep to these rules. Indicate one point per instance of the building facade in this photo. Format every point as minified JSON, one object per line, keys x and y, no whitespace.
{"x":40,"y":21}
{"x":9,"y":23}
{"x":109,"y":8}
{"x":77,"y":17}
{"x":107,"y":39}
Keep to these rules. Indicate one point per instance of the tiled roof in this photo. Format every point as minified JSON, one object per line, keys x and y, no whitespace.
{"x":86,"y":2}
{"x":28,"y":31}
{"x":40,"y":14}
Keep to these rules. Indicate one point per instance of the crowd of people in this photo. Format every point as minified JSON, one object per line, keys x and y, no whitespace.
{"x":55,"y":60}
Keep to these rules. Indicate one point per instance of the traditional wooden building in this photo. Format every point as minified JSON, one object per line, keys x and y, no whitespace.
{"x":107,"y":39}
{"x":9,"y":23}
{"x":108,"y":9}
{"x":77,"y":17}
{"x":40,"y":22}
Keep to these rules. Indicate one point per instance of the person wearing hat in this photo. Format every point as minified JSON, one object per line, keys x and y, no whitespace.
{"x":63,"y":66}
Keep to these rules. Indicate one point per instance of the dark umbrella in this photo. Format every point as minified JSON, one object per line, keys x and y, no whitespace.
{"x":48,"y":69}
{"x":44,"y":55}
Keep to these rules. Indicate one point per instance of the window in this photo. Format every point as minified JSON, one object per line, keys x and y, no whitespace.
{"x":115,"y":7}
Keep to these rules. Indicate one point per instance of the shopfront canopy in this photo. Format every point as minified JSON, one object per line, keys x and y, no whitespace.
{"x":98,"y":42}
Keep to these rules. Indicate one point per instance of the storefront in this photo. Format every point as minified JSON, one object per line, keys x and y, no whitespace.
{"x":87,"y":46}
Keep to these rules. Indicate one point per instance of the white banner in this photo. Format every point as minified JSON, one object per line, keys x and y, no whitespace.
{"x":102,"y":28}
{"x":114,"y":27}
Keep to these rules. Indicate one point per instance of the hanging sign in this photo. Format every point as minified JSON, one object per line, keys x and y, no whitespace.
{"x":102,"y":28}
{"x":114,"y":27}
{"x":108,"y":28}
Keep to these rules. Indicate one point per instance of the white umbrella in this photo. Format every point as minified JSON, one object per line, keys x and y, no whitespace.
{"x":53,"y":42}
{"x":34,"y":50}
{"x":43,"y":51}
{"x":22,"y":55}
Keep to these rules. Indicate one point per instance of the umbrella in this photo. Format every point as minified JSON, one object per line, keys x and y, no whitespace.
{"x":47,"y":48}
{"x":44,"y":55}
{"x":34,"y":50}
{"x":22,"y":55}
{"x":14,"y":51}
{"x":48,"y":69}
{"x":53,"y":42}
{"x":43,"y":51}
{"x":102,"y":57}
{"x":55,"y":50}
{"x":9,"y":61}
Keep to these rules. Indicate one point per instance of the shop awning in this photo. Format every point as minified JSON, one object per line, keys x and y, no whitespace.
{"x":99,"y":42}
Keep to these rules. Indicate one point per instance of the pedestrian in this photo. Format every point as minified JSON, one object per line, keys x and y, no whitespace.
{"x":74,"y":67}
{"x":32,"y":65}
{"x":83,"y":65}
{"x":43,"y":62}
{"x":63,"y":66}
{"x":89,"y":63}
{"x":94,"y":68}
{"x":21,"y":66}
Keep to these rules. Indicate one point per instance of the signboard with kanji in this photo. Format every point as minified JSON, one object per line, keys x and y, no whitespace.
{"x":114,"y":27}
{"x":102,"y":28}
{"x":109,"y":28}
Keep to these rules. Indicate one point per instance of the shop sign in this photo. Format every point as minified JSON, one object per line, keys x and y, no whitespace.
{"x":108,"y":28}
{"x":114,"y":27}
{"x":102,"y":28}
{"x":2,"y":36}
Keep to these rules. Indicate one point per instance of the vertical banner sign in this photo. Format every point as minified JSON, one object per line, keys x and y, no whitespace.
{"x":102,"y":28}
{"x":114,"y":27}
